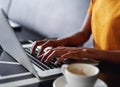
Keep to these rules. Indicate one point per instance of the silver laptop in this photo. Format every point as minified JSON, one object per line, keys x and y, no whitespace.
{"x":12,"y":46}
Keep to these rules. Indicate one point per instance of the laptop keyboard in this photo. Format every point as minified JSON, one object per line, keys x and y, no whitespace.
{"x":43,"y":66}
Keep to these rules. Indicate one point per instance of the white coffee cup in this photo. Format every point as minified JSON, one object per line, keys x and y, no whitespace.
{"x":80,"y":74}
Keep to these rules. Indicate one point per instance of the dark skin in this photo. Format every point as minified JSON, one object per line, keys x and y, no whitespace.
{"x":68,"y":47}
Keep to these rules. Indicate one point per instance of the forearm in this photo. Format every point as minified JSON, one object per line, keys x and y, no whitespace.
{"x":80,"y":37}
{"x":112,"y":56}
{"x":77,"y":39}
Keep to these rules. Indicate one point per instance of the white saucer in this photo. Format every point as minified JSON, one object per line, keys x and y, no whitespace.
{"x":61,"y":82}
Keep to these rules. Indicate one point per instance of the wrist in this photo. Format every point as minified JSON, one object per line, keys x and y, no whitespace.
{"x":90,"y":53}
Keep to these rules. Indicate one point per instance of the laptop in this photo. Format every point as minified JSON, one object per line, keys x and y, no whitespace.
{"x":12,"y":46}
{"x":21,"y":52}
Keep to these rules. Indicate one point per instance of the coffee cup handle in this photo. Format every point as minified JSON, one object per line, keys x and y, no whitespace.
{"x":63,"y":68}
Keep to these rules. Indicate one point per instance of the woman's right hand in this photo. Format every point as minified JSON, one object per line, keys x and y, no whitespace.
{"x":43,"y":45}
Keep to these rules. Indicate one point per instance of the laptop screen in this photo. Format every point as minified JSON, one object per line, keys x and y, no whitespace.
{"x":11,"y":45}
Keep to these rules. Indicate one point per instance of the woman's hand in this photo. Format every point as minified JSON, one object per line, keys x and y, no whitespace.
{"x":64,"y":53}
{"x":43,"y":45}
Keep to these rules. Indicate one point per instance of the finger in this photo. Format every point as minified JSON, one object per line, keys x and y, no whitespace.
{"x":45,"y":55}
{"x":44,"y":46}
{"x":64,"y":56}
{"x":40,"y":57}
{"x":54,"y":54}
{"x":35,"y":44}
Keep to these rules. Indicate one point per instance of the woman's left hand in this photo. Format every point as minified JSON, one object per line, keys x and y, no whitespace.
{"x":63,"y":53}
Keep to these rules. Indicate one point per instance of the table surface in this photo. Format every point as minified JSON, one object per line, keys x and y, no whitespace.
{"x":109,"y":73}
